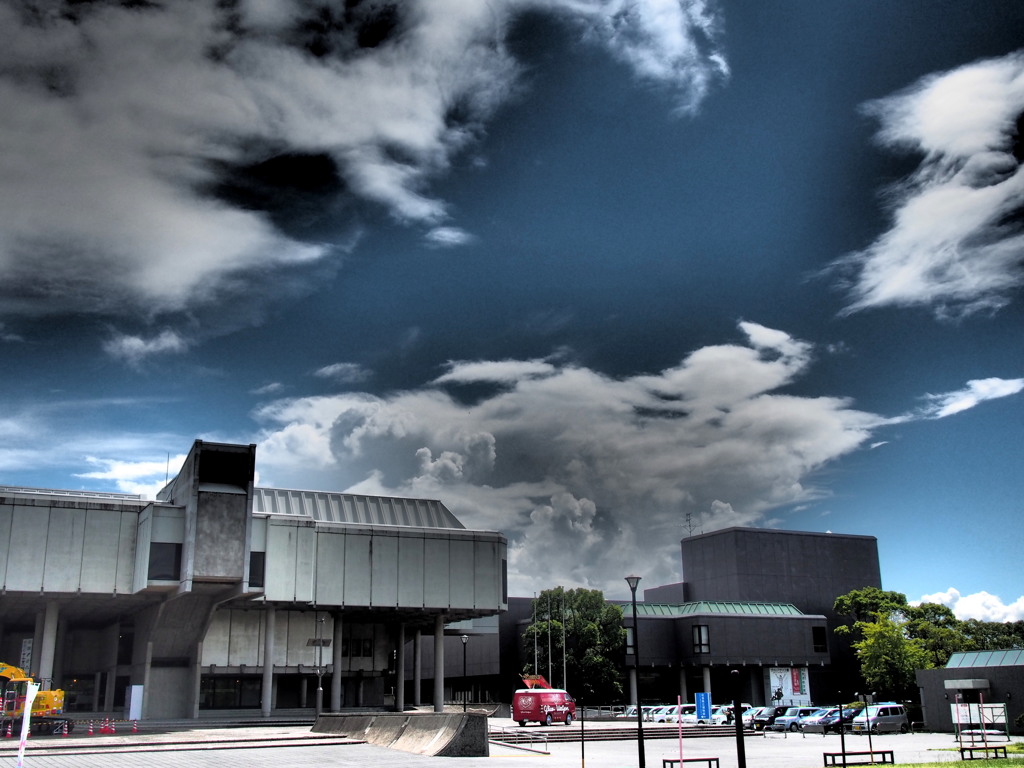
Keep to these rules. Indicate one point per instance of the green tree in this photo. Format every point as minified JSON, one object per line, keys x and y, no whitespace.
{"x":865,"y":604}
{"x":594,"y":639}
{"x":928,"y":627}
{"x":992,"y":635}
{"x":938,"y":630}
{"x":889,"y":657}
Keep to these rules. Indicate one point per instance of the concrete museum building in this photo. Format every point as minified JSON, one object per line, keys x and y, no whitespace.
{"x":223,"y":595}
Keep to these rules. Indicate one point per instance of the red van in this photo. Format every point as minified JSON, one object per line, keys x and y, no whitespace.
{"x":543,"y":705}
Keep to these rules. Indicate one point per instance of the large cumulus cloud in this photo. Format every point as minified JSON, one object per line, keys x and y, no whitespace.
{"x":581,"y":470}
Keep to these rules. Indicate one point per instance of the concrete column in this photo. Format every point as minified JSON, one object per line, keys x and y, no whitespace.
{"x":417,"y":668}
{"x":37,"y":643}
{"x":147,"y":671}
{"x":59,"y":654}
{"x":303,"y":685}
{"x":48,"y":646}
{"x":196,"y":670}
{"x":682,"y":685}
{"x":337,"y":661}
{"x":707,"y":679}
{"x":108,"y":694}
{"x":439,"y":663}
{"x":267,"y":690}
{"x":97,"y":682}
{"x":632,"y":687}
{"x":400,"y":669}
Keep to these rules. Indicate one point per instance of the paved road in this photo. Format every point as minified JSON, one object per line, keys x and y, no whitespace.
{"x":297,"y":747}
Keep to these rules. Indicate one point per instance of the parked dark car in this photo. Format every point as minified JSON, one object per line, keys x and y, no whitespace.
{"x":831,"y":722}
{"x":766,"y":717}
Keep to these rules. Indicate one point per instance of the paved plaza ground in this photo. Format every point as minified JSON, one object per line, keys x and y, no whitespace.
{"x":294,"y":746}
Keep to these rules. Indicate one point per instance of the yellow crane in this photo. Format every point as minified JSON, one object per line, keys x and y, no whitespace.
{"x":47,"y":707}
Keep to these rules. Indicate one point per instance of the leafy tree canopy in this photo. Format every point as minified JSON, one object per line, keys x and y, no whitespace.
{"x":889,"y":657}
{"x":594,"y":639}
{"x":892,"y":634}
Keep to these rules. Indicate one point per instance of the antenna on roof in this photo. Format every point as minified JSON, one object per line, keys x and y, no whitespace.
{"x":690,"y":524}
{"x":167,"y":471}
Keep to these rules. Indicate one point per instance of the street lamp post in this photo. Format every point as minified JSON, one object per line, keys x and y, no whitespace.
{"x":633,"y":581}
{"x":319,"y":664}
{"x":465,"y":695}
{"x":737,"y":713}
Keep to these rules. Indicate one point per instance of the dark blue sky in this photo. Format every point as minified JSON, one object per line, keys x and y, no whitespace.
{"x":582,"y":272}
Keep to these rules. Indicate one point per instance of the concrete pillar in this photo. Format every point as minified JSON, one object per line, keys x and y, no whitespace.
{"x":303,"y":685}
{"x":267,"y":690}
{"x":439,"y":663}
{"x":707,"y":679}
{"x":96,"y":683}
{"x":417,"y":668}
{"x":108,"y":694}
{"x":59,"y":654}
{"x":633,"y":687}
{"x":37,"y":643}
{"x":683,"y":693}
{"x":196,"y":675}
{"x":400,"y":669}
{"x":337,"y":662}
{"x":48,"y":647}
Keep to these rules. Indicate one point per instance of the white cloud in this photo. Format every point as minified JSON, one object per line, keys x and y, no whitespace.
{"x":135,"y":349}
{"x":564,"y":459}
{"x":9,"y":336}
{"x":950,"y":245}
{"x":501,"y":371}
{"x":343,"y":373}
{"x":447,"y":237}
{"x":273,"y":388}
{"x":980,"y":605}
{"x":975,"y":393}
{"x":145,"y":478}
{"x":118,"y":118}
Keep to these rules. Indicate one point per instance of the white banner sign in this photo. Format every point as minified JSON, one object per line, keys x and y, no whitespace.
{"x":31,"y":689}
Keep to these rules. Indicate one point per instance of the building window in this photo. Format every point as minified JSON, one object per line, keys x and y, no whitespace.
{"x":257,"y":569}
{"x":164,"y":561}
{"x":701,"y":639}
{"x":819,"y":639}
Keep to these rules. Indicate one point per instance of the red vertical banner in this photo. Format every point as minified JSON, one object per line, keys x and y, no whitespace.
{"x":796,"y":681}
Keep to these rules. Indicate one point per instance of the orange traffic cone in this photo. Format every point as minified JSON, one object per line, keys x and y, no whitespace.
{"x":90,"y":728}
{"x":8,"y":729}
{"x":112,"y":728}
{"x":135,"y":726}
{"x":65,"y":728}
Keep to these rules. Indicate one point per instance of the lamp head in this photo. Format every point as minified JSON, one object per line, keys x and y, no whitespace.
{"x":465,"y":639}
{"x":632,"y":581}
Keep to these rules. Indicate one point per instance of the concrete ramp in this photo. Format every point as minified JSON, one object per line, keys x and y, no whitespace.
{"x":442,"y":734}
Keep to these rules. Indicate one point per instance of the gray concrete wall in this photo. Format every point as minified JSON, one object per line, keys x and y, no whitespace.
{"x":169,"y":693}
{"x":61,"y":546}
{"x":808,"y":570}
{"x":447,"y":735}
{"x":335,"y":564}
{"x":221,"y":548}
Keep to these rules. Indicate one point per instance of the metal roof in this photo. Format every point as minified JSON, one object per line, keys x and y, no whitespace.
{"x":1011,"y":658}
{"x":325,"y":507}
{"x":716,"y":606}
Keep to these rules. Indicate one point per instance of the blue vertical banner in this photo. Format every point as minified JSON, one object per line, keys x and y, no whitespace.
{"x":703,"y":706}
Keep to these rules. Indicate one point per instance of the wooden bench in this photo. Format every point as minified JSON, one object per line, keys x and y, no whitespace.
{"x":996,"y":750}
{"x":843,"y":758}
{"x":710,"y":762}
